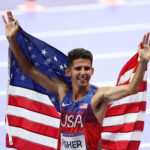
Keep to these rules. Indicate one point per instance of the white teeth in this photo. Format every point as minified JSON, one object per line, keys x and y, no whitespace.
{"x":82,"y":78}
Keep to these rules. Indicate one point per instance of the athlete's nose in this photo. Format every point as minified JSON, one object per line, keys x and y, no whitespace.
{"x":83,"y":71}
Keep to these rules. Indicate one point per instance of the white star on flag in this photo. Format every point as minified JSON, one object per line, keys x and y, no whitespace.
{"x":36,"y":64}
{"x":55,"y":58}
{"x":48,"y":60}
{"x":23,"y":77}
{"x":49,"y":70}
{"x":33,"y":56}
{"x":25,"y":39}
{"x":44,"y":52}
{"x":29,"y":48}
{"x":61,"y":67}
{"x":65,"y":66}
{"x":53,"y":99}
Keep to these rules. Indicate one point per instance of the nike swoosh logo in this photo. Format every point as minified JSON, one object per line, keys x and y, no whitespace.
{"x":63,"y":104}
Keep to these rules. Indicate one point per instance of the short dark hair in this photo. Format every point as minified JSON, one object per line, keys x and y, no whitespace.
{"x":79,"y":53}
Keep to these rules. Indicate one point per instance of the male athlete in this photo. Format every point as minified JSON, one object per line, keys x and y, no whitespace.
{"x":83,"y":106}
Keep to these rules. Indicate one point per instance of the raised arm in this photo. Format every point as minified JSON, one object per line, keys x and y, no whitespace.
{"x":104,"y":95}
{"x":108,"y":94}
{"x":51,"y":84}
{"x":115,"y":93}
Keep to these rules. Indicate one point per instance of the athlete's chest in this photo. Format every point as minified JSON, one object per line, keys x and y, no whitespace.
{"x":74,"y":114}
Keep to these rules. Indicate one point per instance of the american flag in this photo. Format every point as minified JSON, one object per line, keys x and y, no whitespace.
{"x":33,"y":114}
{"x":124,"y":121}
{"x":83,"y":105}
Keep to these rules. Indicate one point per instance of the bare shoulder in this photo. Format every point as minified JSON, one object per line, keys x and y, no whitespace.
{"x":98,"y":96}
{"x":100,"y":92}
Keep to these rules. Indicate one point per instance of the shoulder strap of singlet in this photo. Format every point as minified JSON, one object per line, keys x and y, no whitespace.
{"x":93,"y":88}
{"x":68,"y":94}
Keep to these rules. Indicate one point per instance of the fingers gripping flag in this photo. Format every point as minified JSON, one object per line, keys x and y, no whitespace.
{"x":32,"y":114}
{"x":124,"y":120}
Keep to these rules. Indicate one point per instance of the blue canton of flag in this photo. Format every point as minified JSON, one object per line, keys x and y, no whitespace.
{"x":46,"y":58}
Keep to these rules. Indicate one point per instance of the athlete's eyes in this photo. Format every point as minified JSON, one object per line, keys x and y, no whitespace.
{"x":85,"y":68}
{"x":77,"y":68}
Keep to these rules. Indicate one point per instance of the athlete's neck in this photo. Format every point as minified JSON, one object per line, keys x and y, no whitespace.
{"x":79,"y":92}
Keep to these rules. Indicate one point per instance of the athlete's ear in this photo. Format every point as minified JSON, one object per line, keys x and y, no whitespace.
{"x":92,"y":70}
{"x":67,"y":71}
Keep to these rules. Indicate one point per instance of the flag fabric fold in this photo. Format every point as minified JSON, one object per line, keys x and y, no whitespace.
{"x":33,"y":114}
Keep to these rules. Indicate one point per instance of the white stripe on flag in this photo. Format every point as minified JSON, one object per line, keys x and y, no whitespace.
{"x":35,"y":96}
{"x":33,"y":116}
{"x":128,"y":74}
{"x":144,"y":78}
{"x":139,"y":97}
{"x":126,"y":118}
{"x":33,"y":137}
{"x":134,"y":136}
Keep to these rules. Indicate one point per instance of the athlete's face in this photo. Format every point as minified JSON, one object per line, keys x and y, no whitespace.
{"x":80,"y":72}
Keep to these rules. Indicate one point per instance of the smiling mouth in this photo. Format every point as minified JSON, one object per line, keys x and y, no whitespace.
{"x":82,"y":79}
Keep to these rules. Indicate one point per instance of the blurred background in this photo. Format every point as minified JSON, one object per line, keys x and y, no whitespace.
{"x":111,"y":29}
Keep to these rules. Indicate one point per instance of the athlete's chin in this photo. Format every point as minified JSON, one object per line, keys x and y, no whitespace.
{"x":83,"y":84}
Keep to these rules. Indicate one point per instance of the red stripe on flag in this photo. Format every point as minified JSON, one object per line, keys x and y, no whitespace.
{"x":126,"y":108}
{"x":33,"y":126}
{"x":120,"y":145}
{"x":143,"y":86}
{"x":126,"y":127}
{"x":22,"y":144}
{"x":33,"y":106}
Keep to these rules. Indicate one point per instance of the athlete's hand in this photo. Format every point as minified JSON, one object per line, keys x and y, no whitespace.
{"x":11,"y":27}
{"x":144,"y":49}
